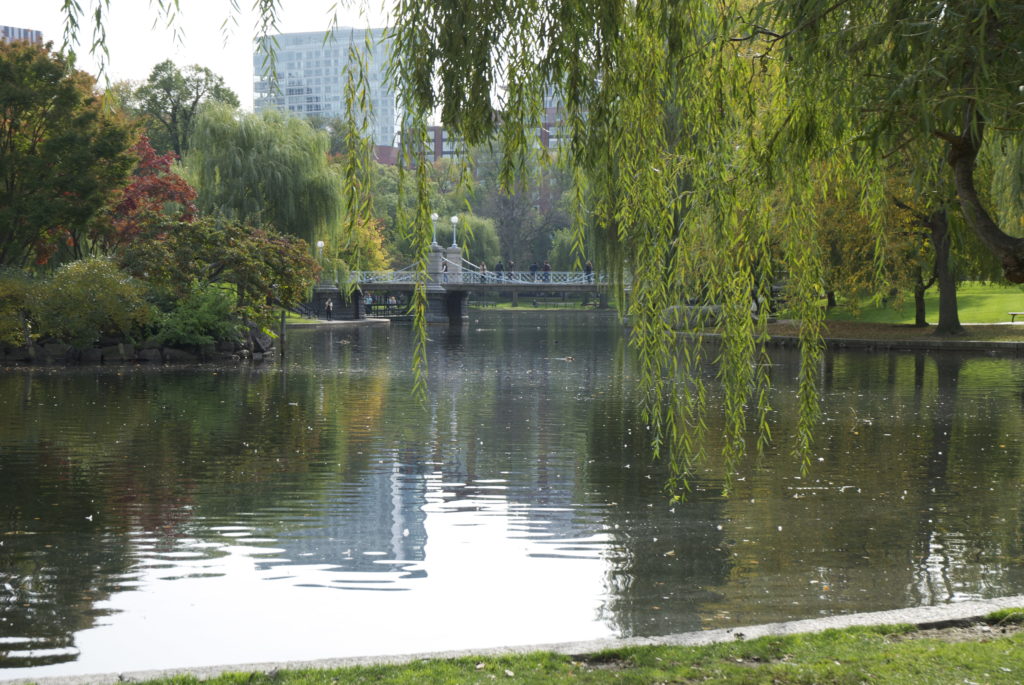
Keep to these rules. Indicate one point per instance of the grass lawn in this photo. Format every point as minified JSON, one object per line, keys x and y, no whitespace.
{"x":292,"y":317}
{"x":977,"y":302}
{"x":859,"y":330}
{"x":888,"y":654}
{"x":531,"y":304}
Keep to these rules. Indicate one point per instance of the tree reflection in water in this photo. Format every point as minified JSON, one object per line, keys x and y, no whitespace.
{"x":531,"y":419}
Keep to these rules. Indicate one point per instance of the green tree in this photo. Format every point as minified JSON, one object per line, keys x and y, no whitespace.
{"x":264,"y":268}
{"x":476,"y":236}
{"x":61,"y":156}
{"x":446,"y":199}
{"x":561,"y":255}
{"x":761,"y":91}
{"x":170,"y":101}
{"x":528,"y":216}
{"x":930,"y":77}
{"x":16,"y":289}
{"x":338,"y":131}
{"x":265,"y":169}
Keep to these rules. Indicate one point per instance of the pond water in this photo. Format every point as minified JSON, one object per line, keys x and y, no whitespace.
{"x":167,"y":517}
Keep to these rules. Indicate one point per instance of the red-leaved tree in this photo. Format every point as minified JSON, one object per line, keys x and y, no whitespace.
{"x":156,"y":197}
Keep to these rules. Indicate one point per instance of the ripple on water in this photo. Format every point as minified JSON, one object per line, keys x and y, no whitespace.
{"x":202,"y":506}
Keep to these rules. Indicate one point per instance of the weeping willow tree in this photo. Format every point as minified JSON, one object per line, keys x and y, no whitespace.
{"x":699,"y":134}
{"x":265,"y":169}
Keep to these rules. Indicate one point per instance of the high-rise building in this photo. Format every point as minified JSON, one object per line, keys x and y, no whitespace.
{"x":13,"y":33}
{"x":310,"y":79}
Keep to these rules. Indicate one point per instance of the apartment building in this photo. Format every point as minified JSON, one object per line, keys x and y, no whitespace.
{"x":310,"y":78}
{"x":13,"y":33}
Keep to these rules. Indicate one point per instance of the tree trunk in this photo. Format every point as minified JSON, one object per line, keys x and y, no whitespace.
{"x":963,"y":152}
{"x":949,"y":316}
{"x":920,"y":312}
{"x":831,"y":295}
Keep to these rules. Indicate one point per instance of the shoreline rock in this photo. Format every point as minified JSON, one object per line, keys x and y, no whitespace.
{"x":148,"y":353}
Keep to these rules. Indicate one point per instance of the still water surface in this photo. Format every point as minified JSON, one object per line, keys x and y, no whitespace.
{"x":162,"y":517}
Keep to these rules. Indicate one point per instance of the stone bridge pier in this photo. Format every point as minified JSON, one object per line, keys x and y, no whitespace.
{"x":444,"y":264}
{"x":447,"y":307}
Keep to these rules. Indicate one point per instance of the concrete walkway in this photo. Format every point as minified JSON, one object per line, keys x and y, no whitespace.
{"x":923,"y":617}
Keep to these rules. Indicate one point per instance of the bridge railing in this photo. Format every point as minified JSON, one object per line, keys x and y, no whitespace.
{"x":528,"y":277}
{"x":402,"y":276}
{"x":544,"y":278}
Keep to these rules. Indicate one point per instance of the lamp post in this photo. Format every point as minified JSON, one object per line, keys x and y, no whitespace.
{"x":320,"y":258}
{"x":434,"y":218}
{"x":455,"y":226}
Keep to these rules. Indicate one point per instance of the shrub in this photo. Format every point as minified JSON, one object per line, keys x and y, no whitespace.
{"x":15,"y":293}
{"x":205,"y":315}
{"x":88,"y":300}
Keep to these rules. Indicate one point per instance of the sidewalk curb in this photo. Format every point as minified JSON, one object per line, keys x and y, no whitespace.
{"x":922,"y":617}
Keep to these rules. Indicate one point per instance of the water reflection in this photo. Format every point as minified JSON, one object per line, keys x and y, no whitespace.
{"x":219,"y":508}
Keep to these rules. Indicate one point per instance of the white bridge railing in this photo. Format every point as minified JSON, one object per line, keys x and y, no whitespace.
{"x":403,"y":276}
{"x":543,"y":278}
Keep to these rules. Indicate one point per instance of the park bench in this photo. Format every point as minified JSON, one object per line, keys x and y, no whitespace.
{"x":1014,"y":315}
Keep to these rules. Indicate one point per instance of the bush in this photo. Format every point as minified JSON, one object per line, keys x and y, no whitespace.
{"x":15,"y":293}
{"x":88,"y":300}
{"x":204,"y":316}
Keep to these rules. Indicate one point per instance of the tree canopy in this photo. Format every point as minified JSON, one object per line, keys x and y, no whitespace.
{"x":170,"y":101}
{"x":263,"y":267}
{"x":695,"y":129}
{"x":265,"y":169}
{"x":155,"y":195}
{"x":61,"y":156}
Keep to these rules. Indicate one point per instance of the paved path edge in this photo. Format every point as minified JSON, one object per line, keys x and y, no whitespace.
{"x":922,"y":617}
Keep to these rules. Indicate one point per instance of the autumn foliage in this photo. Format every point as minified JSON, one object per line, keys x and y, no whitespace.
{"x":155,"y":196}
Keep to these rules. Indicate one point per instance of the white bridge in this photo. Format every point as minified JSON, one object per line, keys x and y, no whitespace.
{"x":539,"y":280}
{"x":448,"y":281}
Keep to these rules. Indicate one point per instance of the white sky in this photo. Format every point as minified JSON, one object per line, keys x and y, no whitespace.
{"x":136,"y":45}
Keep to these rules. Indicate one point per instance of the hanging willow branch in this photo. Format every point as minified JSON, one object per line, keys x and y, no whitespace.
{"x":693,"y":128}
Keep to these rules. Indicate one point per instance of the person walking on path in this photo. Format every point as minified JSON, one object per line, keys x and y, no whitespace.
{"x":329,"y":309}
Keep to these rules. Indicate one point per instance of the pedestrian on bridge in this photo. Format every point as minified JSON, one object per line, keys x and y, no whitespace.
{"x":547,"y":271}
{"x":588,"y":271}
{"x":499,"y":270}
{"x":533,"y":271}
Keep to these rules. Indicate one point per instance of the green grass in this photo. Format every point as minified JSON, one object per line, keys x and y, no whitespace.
{"x":977,"y":302}
{"x":1005,"y":617}
{"x":527,"y":303}
{"x":292,"y":317}
{"x":855,"y":655}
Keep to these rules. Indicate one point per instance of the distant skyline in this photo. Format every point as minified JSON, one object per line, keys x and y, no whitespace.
{"x":136,"y":45}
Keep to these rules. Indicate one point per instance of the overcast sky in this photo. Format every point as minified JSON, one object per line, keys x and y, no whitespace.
{"x":135,"y":44}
